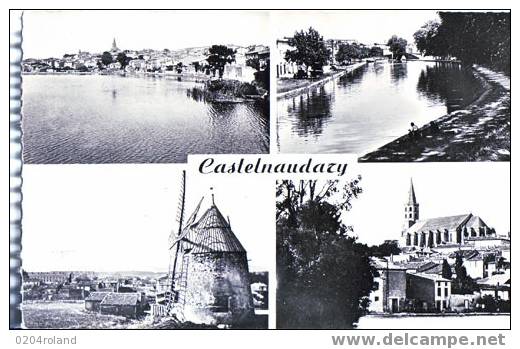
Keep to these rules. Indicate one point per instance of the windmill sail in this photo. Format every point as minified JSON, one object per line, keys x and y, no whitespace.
{"x":172,"y":238}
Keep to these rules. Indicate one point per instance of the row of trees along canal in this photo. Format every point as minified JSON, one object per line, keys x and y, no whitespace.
{"x":475,"y":38}
{"x":311,"y":51}
{"x":324,"y":274}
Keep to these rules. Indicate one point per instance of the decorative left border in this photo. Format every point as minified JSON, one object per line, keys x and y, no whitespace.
{"x":15,"y":168}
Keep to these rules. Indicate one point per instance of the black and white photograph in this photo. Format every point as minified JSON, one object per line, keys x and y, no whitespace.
{"x":143,"y":86}
{"x":423,"y":247}
{"x":289,"y":177}
{"x":394,"y":85}
{"x":156,"y":251}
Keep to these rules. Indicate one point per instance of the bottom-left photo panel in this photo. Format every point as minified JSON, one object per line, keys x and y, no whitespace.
{"x":144,"y":247}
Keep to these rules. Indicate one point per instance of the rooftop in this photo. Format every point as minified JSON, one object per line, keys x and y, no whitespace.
{"x":121,"y":299}
{"x":440,"y":223}
{"x":214,"y":234}
{"x":97,"y":296}
{"x":434,"y":277}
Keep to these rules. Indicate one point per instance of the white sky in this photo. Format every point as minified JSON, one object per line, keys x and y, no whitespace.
{"x":441,"y":189}
{"x":365,"y":26}
{"x":53,"y":33}
{"x":119,"y":217}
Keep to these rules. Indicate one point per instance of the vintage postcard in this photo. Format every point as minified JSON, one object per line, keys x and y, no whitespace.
{"x":346,"y":174}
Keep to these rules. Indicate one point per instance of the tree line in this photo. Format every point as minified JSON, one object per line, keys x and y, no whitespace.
{"x":311,"y":51}
{"x":474,"y":38}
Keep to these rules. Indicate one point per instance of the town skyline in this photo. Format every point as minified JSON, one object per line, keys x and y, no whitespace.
{"x":159,"y":33}
{"x":108,"y":49}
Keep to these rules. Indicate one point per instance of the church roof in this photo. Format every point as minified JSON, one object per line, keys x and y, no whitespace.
{"x":475,"y":222}
{"x":213,"y":234}
{"x":440,"y":223}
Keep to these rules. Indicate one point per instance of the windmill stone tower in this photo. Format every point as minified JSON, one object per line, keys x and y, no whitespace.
{"x":211,"y":277}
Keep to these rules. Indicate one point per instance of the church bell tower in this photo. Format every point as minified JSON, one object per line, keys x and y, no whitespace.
{"x":411,"y":209}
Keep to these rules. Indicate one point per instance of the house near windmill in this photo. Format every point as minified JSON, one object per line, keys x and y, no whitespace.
{"x":209,"y":272}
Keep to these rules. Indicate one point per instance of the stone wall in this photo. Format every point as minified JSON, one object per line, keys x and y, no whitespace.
{"x":218,"y":289}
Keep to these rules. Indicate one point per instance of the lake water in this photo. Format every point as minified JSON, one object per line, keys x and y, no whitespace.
{"x":367,"y":109}
{"x":114,"y":119}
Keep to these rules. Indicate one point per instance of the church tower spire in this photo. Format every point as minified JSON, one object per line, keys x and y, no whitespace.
{"x":411,"y":208}
{"x":114,"y":45}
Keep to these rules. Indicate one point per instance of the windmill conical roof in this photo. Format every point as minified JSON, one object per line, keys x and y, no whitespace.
{"x":214,"y":234}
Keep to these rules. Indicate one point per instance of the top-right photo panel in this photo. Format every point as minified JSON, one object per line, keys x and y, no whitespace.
{"x":394,"y":86}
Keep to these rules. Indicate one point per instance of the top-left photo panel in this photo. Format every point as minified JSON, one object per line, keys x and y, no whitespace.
{"x":143,"y":86}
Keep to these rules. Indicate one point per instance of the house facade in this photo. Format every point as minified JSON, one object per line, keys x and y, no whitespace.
{"x":429,"y":291}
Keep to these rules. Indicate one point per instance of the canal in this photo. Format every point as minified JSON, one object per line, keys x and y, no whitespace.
{"x":115,"y":119}
{"x":373,"y":106}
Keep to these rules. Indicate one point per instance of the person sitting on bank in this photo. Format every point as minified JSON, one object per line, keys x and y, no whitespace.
{"x":413,"y":131}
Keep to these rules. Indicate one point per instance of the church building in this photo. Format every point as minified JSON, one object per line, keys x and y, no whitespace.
{"x":445,"y":232}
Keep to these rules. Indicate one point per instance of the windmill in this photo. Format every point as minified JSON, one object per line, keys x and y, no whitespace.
{"x":177,"y":274}
{"x":208,"y":277}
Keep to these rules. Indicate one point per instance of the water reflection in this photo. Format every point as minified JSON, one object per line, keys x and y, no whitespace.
{"x":196,"y":94}
{"x":313,"y":111}
{"x":133,"y":120}
{"x":448,"y":83}
{"x":398,"y":72}
{"x":371,"y":107}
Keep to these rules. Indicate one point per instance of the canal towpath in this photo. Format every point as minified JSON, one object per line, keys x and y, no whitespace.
{"x":307,"y":87}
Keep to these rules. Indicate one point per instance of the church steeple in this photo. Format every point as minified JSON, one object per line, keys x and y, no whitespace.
{"x":411,"y":209}
{"x":411,"y":195}
{"x":114,"y":45}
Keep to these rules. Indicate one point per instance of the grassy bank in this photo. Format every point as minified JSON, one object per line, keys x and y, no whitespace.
{"x":227,"y":91}
{"x":289,"y":84}
{"x":480,"y":132}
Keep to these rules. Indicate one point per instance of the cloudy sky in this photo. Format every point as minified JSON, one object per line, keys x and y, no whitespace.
{"x":53,"y":33}
{"x":119,"y":217}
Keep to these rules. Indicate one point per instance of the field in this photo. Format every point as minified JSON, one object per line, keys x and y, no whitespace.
{"x":72,"y":315}
{"x":68,"y":315}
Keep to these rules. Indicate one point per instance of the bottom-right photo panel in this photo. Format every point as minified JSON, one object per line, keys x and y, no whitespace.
{"x":396,"y":246}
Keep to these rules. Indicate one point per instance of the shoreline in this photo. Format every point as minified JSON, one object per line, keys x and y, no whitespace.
{"x":195,"y":77}
{"x":472,"y":133}
{"x":303,"y":89}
